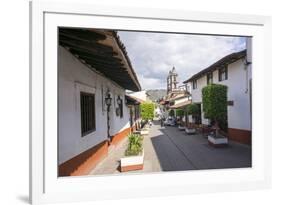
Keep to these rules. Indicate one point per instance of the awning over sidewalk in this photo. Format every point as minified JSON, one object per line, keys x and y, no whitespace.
{"x":101,"y":51}
{"x":130,"y":100}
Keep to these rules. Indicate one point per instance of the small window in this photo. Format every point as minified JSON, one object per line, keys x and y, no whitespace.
{"x":209,"y":78}
{"x":223,"y":73}
{"x":194,"y":84}
{"x":88,"y":113}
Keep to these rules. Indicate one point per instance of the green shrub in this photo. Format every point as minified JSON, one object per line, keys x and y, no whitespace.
{"x":172,"y":113}
{"x":179,"y":112}
{"x":192,"y":109}
{"x":214,"y":98}
{"x":134,"y":145}
{"x":147,"y":111}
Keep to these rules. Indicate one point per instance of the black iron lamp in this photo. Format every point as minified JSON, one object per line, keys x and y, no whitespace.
{"x":108,"y":100}
{"x":119,"y":100}
{"x":118,"y":109}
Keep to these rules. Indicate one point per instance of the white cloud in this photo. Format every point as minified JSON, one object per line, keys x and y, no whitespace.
{"x":154,"y":54}
{"x":151,"y":83}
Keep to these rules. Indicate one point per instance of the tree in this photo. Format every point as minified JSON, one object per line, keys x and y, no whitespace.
{"x":192,"y":109}
{"x":179,"y":112}
{"x":214,"y":98}
{"x":147,"y":111}
{"x":171,"y":113}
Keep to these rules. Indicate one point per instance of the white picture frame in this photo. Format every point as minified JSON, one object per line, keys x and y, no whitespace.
{"x":46,"y":187}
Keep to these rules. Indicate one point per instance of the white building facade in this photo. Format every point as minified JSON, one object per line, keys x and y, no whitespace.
{"x":83,"y":117}
{"x":235,"y":72}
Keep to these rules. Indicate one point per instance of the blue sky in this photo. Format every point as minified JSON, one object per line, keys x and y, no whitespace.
{"x":154,"y":54}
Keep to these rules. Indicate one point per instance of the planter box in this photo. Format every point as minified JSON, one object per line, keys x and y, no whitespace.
{"x":190,"y":130}
{"x":137,"y":132}
{"x":181,"y":127}
{"x":144,"y":132}
{"x":217,"y":141}
{"x":131,"y":163}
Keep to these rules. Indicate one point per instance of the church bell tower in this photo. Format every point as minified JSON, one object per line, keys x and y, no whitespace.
{"x":172,"y":80}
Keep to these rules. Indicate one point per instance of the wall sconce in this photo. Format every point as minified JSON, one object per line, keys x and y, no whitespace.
{"x":119,"y":100}
{"x":118,"y":109}
{"x":108,"y":99}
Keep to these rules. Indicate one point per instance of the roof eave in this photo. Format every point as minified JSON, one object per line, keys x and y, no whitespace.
{"x":217,"y":65}
{"x":103,"y":52}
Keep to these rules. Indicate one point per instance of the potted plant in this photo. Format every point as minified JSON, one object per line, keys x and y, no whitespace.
{"x":134,"y":154}
{"x":191,"y":109}
{"x":214,"y":98}
{"x":144,"y":131}
{"x":180,"y":114}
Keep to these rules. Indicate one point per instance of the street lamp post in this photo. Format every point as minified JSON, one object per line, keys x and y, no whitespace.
{"x":108,"y":100}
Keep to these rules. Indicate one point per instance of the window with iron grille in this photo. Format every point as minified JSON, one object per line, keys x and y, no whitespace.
{"x":223,"y":73}
{"x":88,"y":113}
{"x":209,"y":78}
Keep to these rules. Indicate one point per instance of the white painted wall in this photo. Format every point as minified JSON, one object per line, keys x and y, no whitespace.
{"x":73,"y":78}
{"x":197,"y":96}
{"x":196,"y":93}
{"x":238,"y":84}
{"x":157,"y":111}
{"x":249,"y":49}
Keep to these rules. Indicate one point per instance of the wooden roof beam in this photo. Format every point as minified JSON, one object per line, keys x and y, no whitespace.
{"x":91,"y":46}
{"x":87,"y":54}
{"x":82,"y":34}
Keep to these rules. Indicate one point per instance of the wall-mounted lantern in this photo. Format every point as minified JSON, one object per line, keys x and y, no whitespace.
{"x":119,"y":101}
{"x":108,"y":101}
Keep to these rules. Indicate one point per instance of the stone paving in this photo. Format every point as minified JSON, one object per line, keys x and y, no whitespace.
{"x":110,"y":165}
{"x":169,"y":149}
